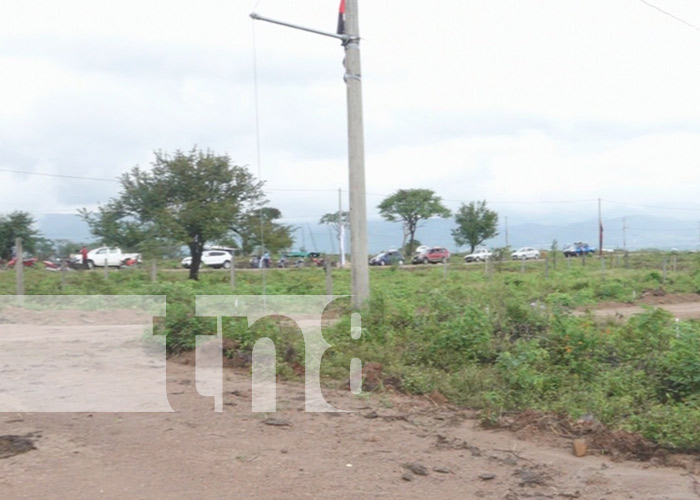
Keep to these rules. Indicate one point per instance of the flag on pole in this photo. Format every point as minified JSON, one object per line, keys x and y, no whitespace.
{"x":341,"y":18}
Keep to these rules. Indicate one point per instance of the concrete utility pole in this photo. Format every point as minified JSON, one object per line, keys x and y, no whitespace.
{"x":506,"y":230}
{"x":359,"y":270}
{"x":624,"y":233}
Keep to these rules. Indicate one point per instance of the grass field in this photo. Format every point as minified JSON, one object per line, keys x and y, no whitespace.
{"x":499,"y":337}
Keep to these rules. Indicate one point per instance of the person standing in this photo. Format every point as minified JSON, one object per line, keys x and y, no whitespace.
{"x":84,"y":253}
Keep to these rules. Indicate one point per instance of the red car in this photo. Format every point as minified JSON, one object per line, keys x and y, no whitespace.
{"x":432,"y":255}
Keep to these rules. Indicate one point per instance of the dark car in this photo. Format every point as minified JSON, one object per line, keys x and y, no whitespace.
{"x":387,"y":258}
{"x":432,"y":255}
{"x":577,"y":249}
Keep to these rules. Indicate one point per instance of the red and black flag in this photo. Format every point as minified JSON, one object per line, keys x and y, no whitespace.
{"x":341,"y":18}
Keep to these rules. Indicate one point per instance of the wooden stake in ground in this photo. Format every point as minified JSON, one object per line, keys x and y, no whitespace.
{"x":63,"y":273}
{"x":19,"y":266}
{"x":329,"y":276}
{"x":232,"y":277}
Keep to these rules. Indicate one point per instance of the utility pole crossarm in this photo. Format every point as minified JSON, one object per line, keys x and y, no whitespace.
{"x":257,"y":17}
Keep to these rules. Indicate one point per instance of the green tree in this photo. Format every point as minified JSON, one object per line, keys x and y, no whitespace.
{"x":114,"y":226}
{"x":15,"y":225}
{"x":475,"y":224}
{"x":410,"y":207}
{"x":263,"y":221}
{"x":191,"y":198}
{"x":336,"y":219}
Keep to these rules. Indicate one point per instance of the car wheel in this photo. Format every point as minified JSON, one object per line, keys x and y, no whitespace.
{"x":443,"y":260}
{"x":382,"y":263}
{"x":227,"y":264}
{"x":401,"y":263}
{"x":425,"y":260}
{"x":90,"y":264}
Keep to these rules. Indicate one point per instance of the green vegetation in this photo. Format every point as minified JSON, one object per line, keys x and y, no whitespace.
{"x":496,"y":339}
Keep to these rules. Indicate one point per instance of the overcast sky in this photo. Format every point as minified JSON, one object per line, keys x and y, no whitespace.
{"x":519,"y":102}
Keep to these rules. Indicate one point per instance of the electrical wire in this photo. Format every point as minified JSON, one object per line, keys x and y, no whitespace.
{"x":655,"y":207}
{"x":672,"y":16}
{"x":63,"y":176}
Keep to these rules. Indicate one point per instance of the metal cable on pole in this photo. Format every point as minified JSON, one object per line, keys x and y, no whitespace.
{"x":261,"y":262}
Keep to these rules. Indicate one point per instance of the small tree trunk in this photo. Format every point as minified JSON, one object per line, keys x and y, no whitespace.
{"x":196,"y":250}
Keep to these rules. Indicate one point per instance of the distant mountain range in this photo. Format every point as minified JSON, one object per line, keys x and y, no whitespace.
{"x":641,"y":232}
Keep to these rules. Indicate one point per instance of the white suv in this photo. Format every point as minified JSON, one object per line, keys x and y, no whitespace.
{"x":212,"y":258}
{"x":480,"y":254}
{"x":525,"y":253}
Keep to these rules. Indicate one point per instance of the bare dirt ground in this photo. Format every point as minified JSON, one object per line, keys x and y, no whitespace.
{"x":682,"y":306}
{"x":390,"y":446}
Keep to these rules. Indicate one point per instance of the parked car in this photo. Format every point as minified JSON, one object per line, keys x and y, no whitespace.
{"x":577,"y":249}
{"x":386,"y":258}
{"x":525,"y":253}
{"x":480,"y":254}
{"x":432,"y":255}
{"x":422,"y":249}
{"x":212,"y":258}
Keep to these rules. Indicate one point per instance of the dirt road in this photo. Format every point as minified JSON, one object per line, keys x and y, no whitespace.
{"x":389,"y":446}
{"x":682,"y":306}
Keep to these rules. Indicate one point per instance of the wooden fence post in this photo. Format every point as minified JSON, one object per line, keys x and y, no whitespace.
{"x":106,"y":269}
{"x":329,"y":276}
{"x":663,"y":267}
{"x":19,"y":266}
{"x":232,"y":277}
{"x":63,"y":273}
{"x":154,"y":271}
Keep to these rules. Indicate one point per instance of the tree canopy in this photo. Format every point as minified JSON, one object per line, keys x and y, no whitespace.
{"x":15,"y":225}
{"x":475,"y":224}
{"x":410,"y":207}
{"x":189,"y":198}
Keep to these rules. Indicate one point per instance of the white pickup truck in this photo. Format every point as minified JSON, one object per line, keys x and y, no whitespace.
{"x":113,"y":257}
